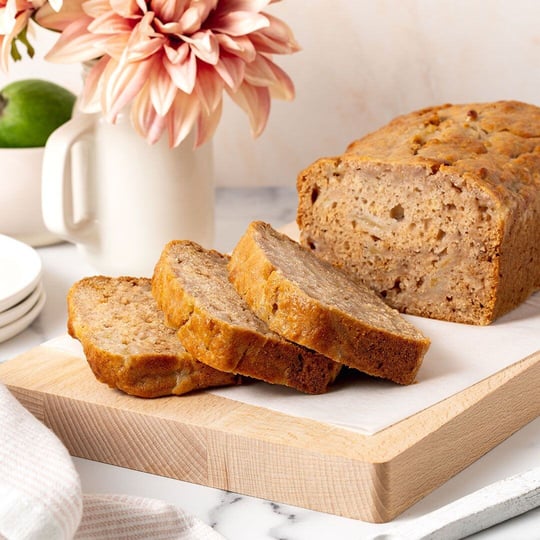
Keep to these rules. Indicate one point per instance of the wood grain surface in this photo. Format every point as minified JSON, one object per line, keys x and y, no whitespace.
{"x":214,"y":441}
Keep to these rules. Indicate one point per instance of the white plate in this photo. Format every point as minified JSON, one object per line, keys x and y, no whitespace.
{"x":20,"y":271}
{"x":14,"y":328}
{"x":24,"y":306}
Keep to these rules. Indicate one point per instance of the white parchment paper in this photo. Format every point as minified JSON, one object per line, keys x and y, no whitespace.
{"x":460,"y":356}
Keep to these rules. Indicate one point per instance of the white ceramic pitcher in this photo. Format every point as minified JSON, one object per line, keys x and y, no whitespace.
{"x":119,"y":198}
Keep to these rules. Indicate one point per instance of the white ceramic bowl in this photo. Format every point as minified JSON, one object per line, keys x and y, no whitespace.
{"x":20,"y":196}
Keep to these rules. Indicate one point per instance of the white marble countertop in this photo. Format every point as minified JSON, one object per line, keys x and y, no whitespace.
{"x":239,"y":517}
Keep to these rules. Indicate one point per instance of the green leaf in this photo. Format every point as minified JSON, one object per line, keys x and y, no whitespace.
{"x":15,"y":54}
{"x":22,"y":37}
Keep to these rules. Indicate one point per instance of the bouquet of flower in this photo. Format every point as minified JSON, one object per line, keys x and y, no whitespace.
{"x":170,"y":60}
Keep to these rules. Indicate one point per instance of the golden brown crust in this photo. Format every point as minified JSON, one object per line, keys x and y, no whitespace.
{"x":439,"y":210}
{"x":234,"y":340}
{"x":127,"y":344}
{"x":381,"y":344}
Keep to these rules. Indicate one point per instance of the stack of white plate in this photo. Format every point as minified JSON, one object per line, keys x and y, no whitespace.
{"x":22,"y":295}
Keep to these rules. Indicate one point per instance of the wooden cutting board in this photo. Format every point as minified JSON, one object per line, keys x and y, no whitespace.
{"x":214,"y":441}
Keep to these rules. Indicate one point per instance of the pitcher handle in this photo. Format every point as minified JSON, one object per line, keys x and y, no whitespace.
{"x":57,"y":181}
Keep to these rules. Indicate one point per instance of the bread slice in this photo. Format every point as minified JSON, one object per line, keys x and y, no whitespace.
{"x":127,"y":344}
{"x":214,"y":323}
{"x":438,"y":211}
{"x":309,"y":301}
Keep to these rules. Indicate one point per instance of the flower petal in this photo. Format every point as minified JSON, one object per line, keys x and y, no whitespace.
{"x":174,"y":28}
{"x":110,"y":23}
{"x":192,"y":19}
{"x":162,"y":89}
{"x":183,"y":73}
{"x":126,"y":8}
{"x":177,"y":55}
{"x":209,"y":87}
{"x":263,"y":72}
{"x":205,"y":46}
{"x":255,"y":100}
{"x":207,"y":125}
{"x":231,"y":70}
{"x":277,"y":38}
{"x":169,"y":10}
{"x":259,"y":72}
{"x":95,"y":8}
{"x":90,"y":102}
{"x":76,"y":44}
{"x":182,"y":117}
{"x":48,"y":18}
{"x":240,"y":23}
{"x":284,"y":87}
{"x":143,"y":49}
{"x":240,"y":46}
{"x":145,"y":119}
{"x":244,"y":5}
{"x":5,"y":49}
{"x":143,"y":42}
{"x":115,"y":45}
{"x":122,"y":83}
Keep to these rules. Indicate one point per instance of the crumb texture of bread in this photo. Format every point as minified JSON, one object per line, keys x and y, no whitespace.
{"x":127,"y":343}
{"x":311,"y":302}
{"x":438,"y":211}
{"x":215,"y":324}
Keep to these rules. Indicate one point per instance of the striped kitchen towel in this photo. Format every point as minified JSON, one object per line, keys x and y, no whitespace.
{"x":41,"y":496}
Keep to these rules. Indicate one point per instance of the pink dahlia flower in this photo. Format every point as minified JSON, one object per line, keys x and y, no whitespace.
{"x":171,"y":60}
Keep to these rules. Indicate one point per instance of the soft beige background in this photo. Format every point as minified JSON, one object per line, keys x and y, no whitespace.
{"x":364,"y":62}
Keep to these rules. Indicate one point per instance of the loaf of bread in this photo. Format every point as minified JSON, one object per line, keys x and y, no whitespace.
{"x":214,"y":323}
{"x":439,"y":211}
{"x":309,"y":301}
{"x":127,"y":344}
